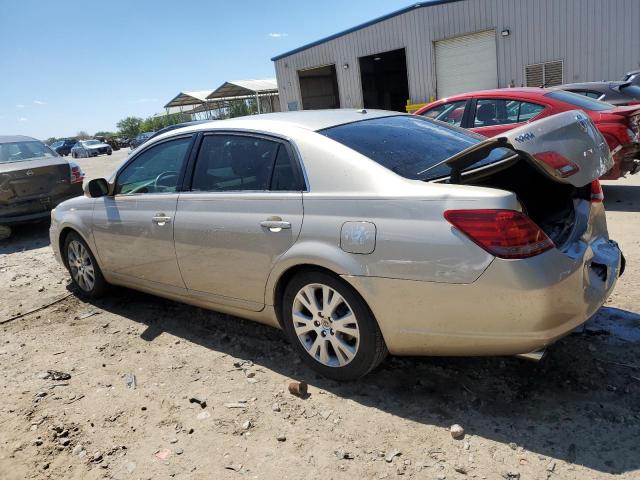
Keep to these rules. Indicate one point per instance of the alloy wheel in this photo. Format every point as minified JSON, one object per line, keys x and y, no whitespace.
{"x":325,"y":325}
{"x":81,"y":266}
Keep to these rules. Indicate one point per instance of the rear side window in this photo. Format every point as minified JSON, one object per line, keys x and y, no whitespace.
{"x":243,"y":163}
{"x":450,"y":113}
{"x":579,"y":101}
{"x":409,"y":145}
{"x":490,"y":111}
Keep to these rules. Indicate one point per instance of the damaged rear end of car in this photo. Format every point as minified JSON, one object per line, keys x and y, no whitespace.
{"x":559,"y":236}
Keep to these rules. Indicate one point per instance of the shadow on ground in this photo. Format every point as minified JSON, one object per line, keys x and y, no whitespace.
{"x":26,"y":237}
{"x":581,"y":404}
{"x":622,"y":198}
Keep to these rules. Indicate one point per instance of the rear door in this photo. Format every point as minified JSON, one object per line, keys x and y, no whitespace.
{"x":243,"y":212}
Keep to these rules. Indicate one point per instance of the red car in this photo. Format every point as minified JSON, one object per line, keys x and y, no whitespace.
{"x":492,"y":112}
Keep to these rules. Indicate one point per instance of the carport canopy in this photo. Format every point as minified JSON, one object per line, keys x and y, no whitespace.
{"x":185,"y":99}
{"x":244,"y":88}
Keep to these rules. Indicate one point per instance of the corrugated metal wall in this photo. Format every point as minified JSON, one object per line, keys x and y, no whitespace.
{"x":596,"y":39}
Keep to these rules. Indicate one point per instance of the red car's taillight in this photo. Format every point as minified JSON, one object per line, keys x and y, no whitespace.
{"x":597,"y":195}
{"x":503,"y":233}
{"x":77,"y":175}
{"x":560,"y":164}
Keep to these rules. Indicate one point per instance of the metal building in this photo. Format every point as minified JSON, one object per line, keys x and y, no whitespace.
{"x":438,"y":48}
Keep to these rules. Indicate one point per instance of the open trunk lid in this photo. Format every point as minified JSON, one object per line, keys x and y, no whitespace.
{"x":567,"y":147}
{"x":33,"y":179}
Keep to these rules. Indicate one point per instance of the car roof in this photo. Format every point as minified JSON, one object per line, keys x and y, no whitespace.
{"x":312,"y":120}
{"x":16,"y":138}
{"x":604,"y":86}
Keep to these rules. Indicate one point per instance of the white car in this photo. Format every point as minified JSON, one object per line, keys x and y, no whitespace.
{"x":90,"y":148}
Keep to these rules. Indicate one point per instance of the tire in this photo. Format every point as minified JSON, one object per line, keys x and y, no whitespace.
{"x":73,"y":155}
{"x":330,"y":344}
{"x":109,"y":152}
{"x":78,"y":255}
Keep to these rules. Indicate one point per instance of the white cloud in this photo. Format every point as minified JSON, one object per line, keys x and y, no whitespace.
{"x":20,"y":105}
{"x":22,"y":119}
{"x":39,"y":102}
{"x":278,"y":35}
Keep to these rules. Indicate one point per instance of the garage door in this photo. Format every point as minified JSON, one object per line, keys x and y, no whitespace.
{"x":466,"y":63}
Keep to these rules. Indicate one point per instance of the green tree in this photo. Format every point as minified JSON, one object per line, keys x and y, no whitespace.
{"x":104,"y":134}
{"x":129,"y":127}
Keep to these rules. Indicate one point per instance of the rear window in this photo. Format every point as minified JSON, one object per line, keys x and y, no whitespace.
{"x":409,"y":145}
{"x":579,"y":100}
{"x":631,"y":90}
{"x":23,"y":151}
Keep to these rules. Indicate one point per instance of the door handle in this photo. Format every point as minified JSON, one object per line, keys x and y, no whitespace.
{"x":161,"y":219}
{"x":275,"y":224}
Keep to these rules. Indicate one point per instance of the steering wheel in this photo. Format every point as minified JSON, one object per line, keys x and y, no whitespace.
{"x":164,"y":175}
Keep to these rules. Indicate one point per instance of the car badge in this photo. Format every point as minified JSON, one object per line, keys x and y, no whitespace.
{"x":29,"y":173}
{"x":583,"y":122}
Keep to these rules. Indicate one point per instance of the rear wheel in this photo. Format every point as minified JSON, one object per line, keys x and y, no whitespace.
{"x":85,"y":272}
{"x":331,"y":327}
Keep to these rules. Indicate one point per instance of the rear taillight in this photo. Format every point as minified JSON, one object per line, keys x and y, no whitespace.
{"x":597,"y":195}
{"x":77,"y":175}
{"x":503,"y":233}
{"x":562,"y":165}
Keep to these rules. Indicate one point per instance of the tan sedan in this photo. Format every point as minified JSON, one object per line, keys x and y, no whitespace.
{"x":359,"y":233}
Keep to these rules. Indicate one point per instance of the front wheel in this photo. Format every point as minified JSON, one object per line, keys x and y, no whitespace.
{"x":85,"y":272}
{"x":331,"y":326}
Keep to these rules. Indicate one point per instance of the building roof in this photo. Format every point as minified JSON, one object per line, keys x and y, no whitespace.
{"x":244,"y":88}
{"x":189,"y":98}
{"x":415,"y":6}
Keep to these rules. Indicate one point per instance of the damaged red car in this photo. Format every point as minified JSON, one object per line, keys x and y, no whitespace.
{"x":493,"y":112}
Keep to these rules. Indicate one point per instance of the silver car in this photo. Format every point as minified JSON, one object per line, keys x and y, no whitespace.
{"x":359,"y":232}
{"x":90,"y":148}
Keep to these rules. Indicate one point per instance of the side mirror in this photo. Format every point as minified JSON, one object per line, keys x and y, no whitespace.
{"x":98,"y":187}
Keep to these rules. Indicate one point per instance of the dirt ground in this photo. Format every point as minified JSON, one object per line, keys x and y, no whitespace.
{"x":137,"y":363}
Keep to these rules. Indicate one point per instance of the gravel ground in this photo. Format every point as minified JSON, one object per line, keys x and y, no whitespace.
{"x":139,"y":365}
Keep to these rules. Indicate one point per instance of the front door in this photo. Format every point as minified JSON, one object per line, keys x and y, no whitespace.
{"x":243,"y":212}
{"x":133,"y":228}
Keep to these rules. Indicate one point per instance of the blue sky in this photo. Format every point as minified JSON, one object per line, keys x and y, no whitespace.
{"x":67,"y":66}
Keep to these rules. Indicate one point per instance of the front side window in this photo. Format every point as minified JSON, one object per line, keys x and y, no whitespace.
{"x":156,"y":170}
{"x":409,"y":145}
{"x":450,"y":113}
{"x":243,"y":163}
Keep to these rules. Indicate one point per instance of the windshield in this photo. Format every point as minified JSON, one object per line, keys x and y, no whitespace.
{"x":409,"y":145}
{"x":21,"y":151}
{"x":91,"y":142}
{"x":580,"y":101}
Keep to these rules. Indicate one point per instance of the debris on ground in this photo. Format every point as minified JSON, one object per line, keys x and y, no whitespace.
{"x":57,"y":376}
{"x":299,"y":389}
{"x":130,"y":380}
{"x":457,"y":431}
